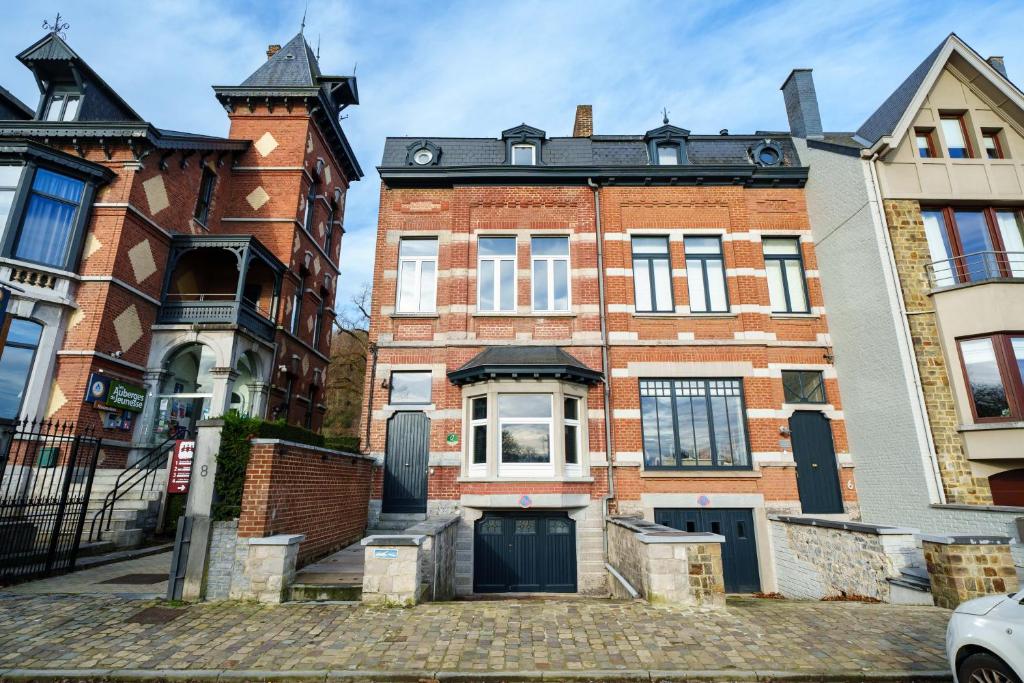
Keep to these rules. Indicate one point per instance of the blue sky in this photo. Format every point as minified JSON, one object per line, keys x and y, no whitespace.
{"x":475,"y":68}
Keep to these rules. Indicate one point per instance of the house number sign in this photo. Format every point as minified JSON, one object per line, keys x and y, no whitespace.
{"x":453,"y":438}
{"x":385,"y":553}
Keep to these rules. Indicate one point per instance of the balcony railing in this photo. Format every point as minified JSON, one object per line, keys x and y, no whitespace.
{"x":216,"y":309}
{"x":979,"y":266}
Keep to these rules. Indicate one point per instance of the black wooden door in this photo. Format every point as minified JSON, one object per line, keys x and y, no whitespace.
{"x":739,"y":552}
{"x":816,"y":468}
{"x":517,"y":552}
{"x":405,"y":463}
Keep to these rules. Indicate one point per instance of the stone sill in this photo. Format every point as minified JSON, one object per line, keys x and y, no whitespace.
{"x":509,"y":314}
{"x":979,"y":508}
{"x":861,"y":527}
{"x":699,"y":474}
{"x":794,"y":316}
{"x":416,"y":316}
{"x":967,"y":539}
{"x":986,"y":426}
{"x":524,"y":480}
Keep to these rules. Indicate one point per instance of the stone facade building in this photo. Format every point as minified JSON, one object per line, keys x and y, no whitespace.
{"x":564,"y":327}
{"x":918,"y":222}
{"x":163,"y":277}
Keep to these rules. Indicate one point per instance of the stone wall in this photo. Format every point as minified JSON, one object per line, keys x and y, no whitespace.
{"x":666,"y":565}
{"x":221,"y":559}
{"x":393,"y":571}
{"x":240,"y":568}
{"x":819,"y":558}
{"x":437,"y":555}
{"x":962,"y":568}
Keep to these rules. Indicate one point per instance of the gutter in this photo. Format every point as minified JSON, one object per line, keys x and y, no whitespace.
{"x":937,"y":493}
{"x":605,"y":364}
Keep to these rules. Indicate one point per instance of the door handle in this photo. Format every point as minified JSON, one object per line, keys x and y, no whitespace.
{"x":814,"y":465}
{"x":407,"y":465}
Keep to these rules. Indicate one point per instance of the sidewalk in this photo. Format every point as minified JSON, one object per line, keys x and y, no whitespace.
{"x":79,"y":637}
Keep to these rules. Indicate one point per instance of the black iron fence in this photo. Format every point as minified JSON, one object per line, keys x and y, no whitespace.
{"x":46,"y":475}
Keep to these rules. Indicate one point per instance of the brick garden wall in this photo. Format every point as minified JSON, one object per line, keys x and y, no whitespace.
{"x":295,"y":489}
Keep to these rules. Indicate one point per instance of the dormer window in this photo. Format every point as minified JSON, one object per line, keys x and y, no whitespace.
{"x":668,"y":155}
{"x":524,"y":155}
{"x":63,"y":106}
{"x":767,"y":153}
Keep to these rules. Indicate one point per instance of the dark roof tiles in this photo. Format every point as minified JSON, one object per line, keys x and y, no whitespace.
{"x":294,"y":66}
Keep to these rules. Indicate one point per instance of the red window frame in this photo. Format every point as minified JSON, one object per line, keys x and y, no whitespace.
{"x":963,"y":131}
{"x":929,"y":135}
{"x":992,"y":135}
{"x":1006,"y":362}
{"x":953,"y":234}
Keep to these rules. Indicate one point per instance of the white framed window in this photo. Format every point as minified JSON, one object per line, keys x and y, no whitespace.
{"x":705,"y":275}
{"x":525,"y":434}
{"x":524,"y":155}
{"x":668,"y":155}
{"x":550,"y":268}
{"x":571,"y":428}
{"x":478,"y":436}
{"x":417,"y":275}
{"x":409,"y":387}
{"x":496,"y":274}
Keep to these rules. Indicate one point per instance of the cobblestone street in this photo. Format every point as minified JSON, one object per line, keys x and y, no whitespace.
{"x":542,"y":637}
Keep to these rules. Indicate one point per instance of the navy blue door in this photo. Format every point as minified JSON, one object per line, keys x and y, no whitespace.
{"x":739,"y":552}
{"x":405,"y":463}
{"x":517,"y":552}
{"x":817,"y":474}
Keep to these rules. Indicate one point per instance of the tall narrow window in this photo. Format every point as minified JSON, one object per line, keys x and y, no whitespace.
{"x":955,"y":131}
{"x":307,"y":218}
{"x":318,"y":321}
{"x":9,"y":176}
{"x":310,"y":405}
{"x":979,"y":260}
{"x":786,"y":287}
{"x":550,"y":256}
{"x":652,"y":275}
{"x":993,"y":147}
{"x":293,"y":323}
{"x":524,"y":155}
{"x":16,"y":364}
{"x":329,"y":230}
{"x":417,"y":275}
{"x":206,"y":183}
{"x":48,"y":226}
{"x":571,"y":423}
{"x":1011,"y":232}
{"x":943,"y":267}
{"x":705,"y":275}
{"x":925,"y":139}
{"x":985,"y":381}
{"x":478,"y":434}
{"x":62,"y":107}
{"x":693,"y":423}
{"x":668,"y":155}
{"x":496,"y":274}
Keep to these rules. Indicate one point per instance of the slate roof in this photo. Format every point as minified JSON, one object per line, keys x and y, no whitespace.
{"x":294,"y":66}
{"x":524,"y":362}
{"x":10,"y":103}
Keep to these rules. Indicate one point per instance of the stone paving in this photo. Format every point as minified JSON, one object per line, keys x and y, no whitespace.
{"x":525,"y":635}
{"x":103,"y":579}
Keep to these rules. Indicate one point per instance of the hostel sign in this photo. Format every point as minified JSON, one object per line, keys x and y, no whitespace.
{"x":114,"y":393}
{"x":181,"y":466}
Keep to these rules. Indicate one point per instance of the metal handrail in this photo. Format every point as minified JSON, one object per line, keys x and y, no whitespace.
{"x":978,"y":266}
{"x":145,"y":468}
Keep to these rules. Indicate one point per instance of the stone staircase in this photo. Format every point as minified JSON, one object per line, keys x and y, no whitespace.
{"x":911,"y":587}
{"x":134,"y":516}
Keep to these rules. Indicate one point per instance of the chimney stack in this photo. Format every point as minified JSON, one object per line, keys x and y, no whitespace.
{"x":584,"y":125}
{"x":998,"y":64}
{"x":802,"y":104}
{"x":273,"y":50}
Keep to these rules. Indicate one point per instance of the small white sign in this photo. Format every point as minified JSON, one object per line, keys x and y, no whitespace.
{"x":385,"y":553}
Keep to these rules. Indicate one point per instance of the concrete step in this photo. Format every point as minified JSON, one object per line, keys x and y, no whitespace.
{"x":393,"y":521}
{"x":315,"y":592}
{"x":911,"y":587}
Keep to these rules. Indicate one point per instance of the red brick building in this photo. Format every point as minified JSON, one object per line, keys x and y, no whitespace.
{"x":162,"y":277}
{"x":524,"y":283}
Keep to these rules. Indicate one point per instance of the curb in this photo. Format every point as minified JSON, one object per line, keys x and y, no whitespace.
{"x":423,"y":676}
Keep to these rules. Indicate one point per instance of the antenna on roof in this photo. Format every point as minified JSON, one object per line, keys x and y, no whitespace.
{"x":664,"y":115}
{"x":58,"y":27}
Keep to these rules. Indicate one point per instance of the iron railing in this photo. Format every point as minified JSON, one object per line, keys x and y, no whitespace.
{"x":978,"y":266}
{"x":46,"y":476}
{"x":230,"y":312}
{"x":136,"y":479}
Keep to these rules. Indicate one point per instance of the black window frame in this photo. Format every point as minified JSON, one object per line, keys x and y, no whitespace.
{"x":64,"y":93}
{"x":678,"y":466}
{"x":311,"y":195}
{"x":318,"y":321}
{"x":204,"y":201}
{"x":32,"y":362}
{"x":704,"y":258}
{"x":651,"y":258}
{"x":310,"y":406}
{"x":788,"y":397}
{"x":783,"y":258}
{"x":329,"y":230}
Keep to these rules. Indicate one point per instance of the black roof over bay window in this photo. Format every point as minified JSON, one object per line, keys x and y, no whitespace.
{"x":524,"y":362}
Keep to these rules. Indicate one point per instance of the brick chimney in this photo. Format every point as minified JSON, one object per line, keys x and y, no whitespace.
{"x":998,"y":64}
{"x":802,"y":104}
{"x":273,"y":50}
{"x":584,"y":125}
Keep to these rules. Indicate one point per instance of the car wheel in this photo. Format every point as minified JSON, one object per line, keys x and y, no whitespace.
{"x":985,"y":668}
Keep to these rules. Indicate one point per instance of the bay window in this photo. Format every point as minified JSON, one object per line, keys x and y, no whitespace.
{"x":550,"y":268}
{"x":652,"y":275}
{"x":525,"y":427}
{"x":571,"y":429}
{"x":496,"y":274}
{"x":693,"y":424}
{"x":417,"y":275}
{"x":705,"y":275}
{"x":994,"y":367}
{"x":973,"y":245}
{"x":787,"y":290}
{"x":50,"y":219}
{"x":478,"y":436}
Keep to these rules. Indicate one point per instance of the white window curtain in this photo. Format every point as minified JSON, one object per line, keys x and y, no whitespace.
{"x":48,"y":226}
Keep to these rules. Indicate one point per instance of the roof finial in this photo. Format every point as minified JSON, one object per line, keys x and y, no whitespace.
{"x":664,"y":115}
{"x":318,"y":47}
{"x":58,"y":27}
{"x":302,"y":26}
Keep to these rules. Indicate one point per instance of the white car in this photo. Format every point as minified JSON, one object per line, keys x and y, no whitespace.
{"x":985,"y":640}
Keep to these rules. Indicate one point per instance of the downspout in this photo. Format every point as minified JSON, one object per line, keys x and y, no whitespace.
{"x":605,"y":364}
{"x":369,"y":404}
{"x":938,"y":493}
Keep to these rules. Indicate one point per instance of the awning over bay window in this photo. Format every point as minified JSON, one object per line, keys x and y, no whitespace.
{"x":524,"y":362}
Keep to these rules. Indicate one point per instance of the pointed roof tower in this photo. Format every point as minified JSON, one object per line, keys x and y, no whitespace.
{"x":293,"y":66}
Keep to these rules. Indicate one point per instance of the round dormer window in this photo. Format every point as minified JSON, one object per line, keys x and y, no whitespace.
{"x":423,"y":157}
{"x":768,"y":156}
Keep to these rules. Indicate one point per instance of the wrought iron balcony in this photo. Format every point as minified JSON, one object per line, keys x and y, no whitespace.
{"x":215,"y":309}
{"x":980,"y":266}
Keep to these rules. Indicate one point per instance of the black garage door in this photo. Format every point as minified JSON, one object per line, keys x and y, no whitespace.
{"x":524,"y":552}
{"x":739,"y":552}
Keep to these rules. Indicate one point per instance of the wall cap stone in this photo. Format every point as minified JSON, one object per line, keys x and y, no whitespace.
{"x":649,"y":532}
{"x":861,"y":527}
{"x":403,"y":540}
{"x":1015,"y":510}
{"x":972,"y":539}
{"x":432,"y":526}
{"x":279,"y":539}
{"x":318,"y":449}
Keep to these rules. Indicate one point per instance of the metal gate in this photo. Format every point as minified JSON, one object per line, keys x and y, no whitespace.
{"x":46,"y":473}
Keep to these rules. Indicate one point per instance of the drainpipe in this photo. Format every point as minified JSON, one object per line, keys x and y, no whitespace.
{"x":937,"y":493}
{"x":369,"y":404}
{"x":606,"y":365}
